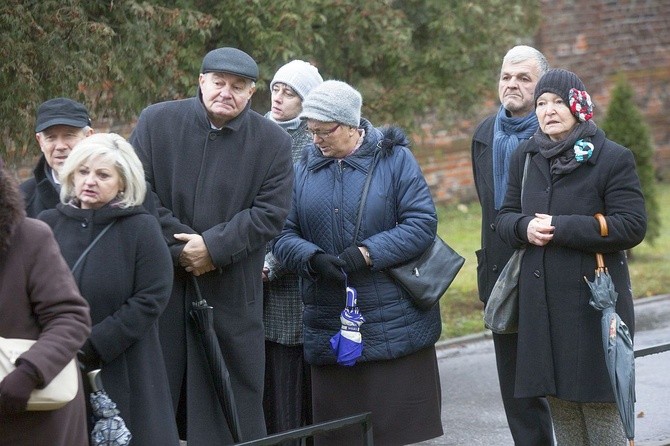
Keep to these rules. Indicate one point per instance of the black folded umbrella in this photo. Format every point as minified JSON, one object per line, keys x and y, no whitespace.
{"x":203,"y":316}
{"x":617,"y":341}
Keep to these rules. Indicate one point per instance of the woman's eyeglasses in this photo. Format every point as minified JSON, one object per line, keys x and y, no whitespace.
{"x":323,"y":133}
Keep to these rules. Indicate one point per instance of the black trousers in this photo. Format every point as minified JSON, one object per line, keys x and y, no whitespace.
{"x":529,"y":419}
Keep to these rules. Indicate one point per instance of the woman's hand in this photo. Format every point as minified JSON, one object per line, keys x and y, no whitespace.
{"x":540,"y":231}
{"x":354,"y":258}
{"x":328,"y":267}
{"x":16,"y":387}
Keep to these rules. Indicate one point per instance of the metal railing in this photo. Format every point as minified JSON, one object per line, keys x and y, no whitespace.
{"x":364,"y":419}
{"x":652,"y":350}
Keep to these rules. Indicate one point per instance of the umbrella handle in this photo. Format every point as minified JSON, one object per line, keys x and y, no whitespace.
{"x":95,"y":380}
{"x":604,"y":232}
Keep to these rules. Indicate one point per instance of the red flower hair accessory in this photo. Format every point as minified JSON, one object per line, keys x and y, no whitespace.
{"x":581,"y":105}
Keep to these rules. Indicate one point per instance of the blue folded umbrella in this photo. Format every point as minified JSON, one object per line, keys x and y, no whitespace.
{"x":109,"y":429}
{"x":347,"y":343}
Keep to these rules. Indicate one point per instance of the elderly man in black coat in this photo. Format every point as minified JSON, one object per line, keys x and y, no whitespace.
{"x":222,"y":175}
{"x":493,"y":143}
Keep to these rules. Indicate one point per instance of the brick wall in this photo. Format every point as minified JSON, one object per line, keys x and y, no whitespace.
{"x":597,"y":40}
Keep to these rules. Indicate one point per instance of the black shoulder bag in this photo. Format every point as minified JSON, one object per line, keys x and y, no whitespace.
{"x":426,"y":277}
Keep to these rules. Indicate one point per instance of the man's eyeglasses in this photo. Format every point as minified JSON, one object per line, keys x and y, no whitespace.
{"x":323,"y":133}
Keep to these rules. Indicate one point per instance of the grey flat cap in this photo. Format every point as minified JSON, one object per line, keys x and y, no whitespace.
{"x":230,"y":60}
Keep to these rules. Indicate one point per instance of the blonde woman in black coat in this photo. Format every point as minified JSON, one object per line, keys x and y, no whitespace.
{"x":126,"y":278}
{"x":573,"y":173}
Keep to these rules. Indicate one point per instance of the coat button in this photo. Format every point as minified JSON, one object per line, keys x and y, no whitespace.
{"x":84,"y":223}
{"x":536,"y":273}
{"x":492,"y":226}
{"x":212,"y":136}
{"x":495,"y":268}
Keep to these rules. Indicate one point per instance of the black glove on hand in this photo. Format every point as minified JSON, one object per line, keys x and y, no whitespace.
{"x":16,"y":387}
{"x":354,"y":259}
{"x":327,"y":266}
{"x":88,"y":357}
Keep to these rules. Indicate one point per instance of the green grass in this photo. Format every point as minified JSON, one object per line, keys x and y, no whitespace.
{"x":459,"y":225}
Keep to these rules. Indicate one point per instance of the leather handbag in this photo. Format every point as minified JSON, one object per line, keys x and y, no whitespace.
{"x":501,"y":313}
{"x":427,"y":277}
{"x":60,"y":391}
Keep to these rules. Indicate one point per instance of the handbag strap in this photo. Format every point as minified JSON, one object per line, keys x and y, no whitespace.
{"x":88,"y":248}
{"x":364,"y":197}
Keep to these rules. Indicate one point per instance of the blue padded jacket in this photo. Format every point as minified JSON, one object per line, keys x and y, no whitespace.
{"x":399,"y":222}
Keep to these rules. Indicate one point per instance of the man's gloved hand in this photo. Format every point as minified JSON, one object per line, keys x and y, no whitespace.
{"x":16,"y":387}
{"x":354,"y":259}
{"x":327,"y":266}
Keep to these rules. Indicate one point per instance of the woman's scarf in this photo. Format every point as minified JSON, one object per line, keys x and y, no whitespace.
{"x":289,"y":125}
{"x":508,"y":131}
{"x":566,"y":155}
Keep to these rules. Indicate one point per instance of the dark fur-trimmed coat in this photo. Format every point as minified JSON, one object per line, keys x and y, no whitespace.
{"x":399,"y":222}
{"x":560,"y":348}
{"x":39,"y":300}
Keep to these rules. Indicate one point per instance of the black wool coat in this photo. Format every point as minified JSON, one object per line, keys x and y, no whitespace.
{"x":233,"y":187}
{"x":40,"y":192}
{"x":494,"y":252}
{"x":560,"y":348}
{"x":126,"y":278}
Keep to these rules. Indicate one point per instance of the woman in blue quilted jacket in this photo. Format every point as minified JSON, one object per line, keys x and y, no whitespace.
{"x":396,"y":375}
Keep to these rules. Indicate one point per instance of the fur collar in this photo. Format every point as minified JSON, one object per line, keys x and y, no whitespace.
{"x":11,"y":208}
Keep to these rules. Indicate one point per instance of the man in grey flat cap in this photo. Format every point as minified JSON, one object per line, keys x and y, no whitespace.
{"x":60,"y":124}
{"x":223,"y":176}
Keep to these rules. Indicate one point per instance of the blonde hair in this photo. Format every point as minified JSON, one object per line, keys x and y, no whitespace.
{"x":116,"y":149}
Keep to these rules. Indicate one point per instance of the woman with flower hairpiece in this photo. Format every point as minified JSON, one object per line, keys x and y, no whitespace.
{"x":574,"y":172}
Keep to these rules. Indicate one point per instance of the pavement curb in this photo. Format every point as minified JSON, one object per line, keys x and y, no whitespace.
{"x":486,"y":334}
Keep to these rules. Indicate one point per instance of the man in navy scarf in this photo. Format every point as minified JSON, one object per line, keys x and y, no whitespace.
{"x":494,"y":141}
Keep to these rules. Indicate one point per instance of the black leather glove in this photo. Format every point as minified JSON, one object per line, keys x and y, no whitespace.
{"x":327,"y":266}
{"x":354,"y":259}
{"x":88,"y":357}
{"x":16,"y":387}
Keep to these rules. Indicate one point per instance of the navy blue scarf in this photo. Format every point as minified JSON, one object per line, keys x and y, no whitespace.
{"x":508,"y":132}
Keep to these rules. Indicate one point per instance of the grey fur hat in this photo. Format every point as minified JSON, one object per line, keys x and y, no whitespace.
{"x":333,"y":101}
